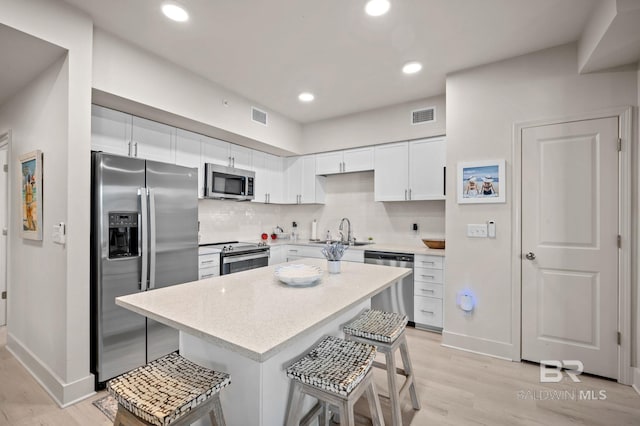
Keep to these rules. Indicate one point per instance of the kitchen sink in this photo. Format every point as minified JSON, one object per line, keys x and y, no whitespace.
{"x":356,"y":243}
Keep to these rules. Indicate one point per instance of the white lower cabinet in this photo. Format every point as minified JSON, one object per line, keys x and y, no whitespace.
{"x":277,"y":254}
{"x":428,"y":291}
{"x":208,"y":263}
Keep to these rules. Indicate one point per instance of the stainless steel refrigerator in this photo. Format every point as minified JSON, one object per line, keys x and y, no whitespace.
{"x":144,"y":236}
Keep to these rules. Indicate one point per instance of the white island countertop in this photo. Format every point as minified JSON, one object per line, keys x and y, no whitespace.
{"x":255,"y":315}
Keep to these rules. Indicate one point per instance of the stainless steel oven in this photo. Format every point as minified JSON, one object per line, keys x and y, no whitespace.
{"x":237,"y":257}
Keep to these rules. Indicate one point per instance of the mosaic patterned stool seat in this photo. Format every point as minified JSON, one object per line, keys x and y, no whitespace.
{"x":336,"y":372}
{"x":169,"y":391}
{"x":386,"y":330}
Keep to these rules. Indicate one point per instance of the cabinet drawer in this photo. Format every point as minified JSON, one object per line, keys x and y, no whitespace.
{"x":429,"y":275}
{"x":428,"y":289}
{"x":204,"y":273}
{"x":433,"y":262}
{"x":428,"y":311}
{"x":208,"y":261}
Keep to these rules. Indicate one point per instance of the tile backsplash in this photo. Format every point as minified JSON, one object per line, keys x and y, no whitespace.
{"x":347,"y":195}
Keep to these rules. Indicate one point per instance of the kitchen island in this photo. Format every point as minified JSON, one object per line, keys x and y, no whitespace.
{"x":251,"y":325}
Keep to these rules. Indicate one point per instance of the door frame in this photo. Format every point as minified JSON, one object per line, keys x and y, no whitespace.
{"x":624,"y":115}
{"x":5,"y":139}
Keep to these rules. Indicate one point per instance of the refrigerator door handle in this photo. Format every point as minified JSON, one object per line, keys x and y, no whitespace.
{"x":152,"y":239}
{"x":144,"y":218}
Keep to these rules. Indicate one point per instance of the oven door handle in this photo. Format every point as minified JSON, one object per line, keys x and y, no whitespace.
{"x":240,"y":258}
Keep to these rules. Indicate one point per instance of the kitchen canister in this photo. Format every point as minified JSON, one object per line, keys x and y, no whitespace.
{"x":333,"y":266}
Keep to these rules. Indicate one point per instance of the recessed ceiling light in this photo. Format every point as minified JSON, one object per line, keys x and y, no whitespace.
{"x":377,"y":7}
{"x":306,"y":97}
{"x":411,"y":67}
{"x":175,"y":12}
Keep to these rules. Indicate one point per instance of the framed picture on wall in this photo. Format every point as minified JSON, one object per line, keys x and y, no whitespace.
{"x":481,"y":182}
{"x":31,"y":185}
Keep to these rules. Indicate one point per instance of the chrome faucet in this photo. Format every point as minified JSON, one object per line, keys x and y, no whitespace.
{"x":349,"y":236}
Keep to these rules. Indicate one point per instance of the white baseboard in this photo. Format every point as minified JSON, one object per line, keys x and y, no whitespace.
{"x":636,"y":379}
{"x":64,"y":394}
{"x":478,"y":345}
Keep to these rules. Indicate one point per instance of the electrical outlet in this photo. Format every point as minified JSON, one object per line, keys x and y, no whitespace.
{"x":477,"y":230}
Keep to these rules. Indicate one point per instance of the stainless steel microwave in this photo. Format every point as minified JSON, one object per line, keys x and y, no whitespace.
{"x":228,"y":183}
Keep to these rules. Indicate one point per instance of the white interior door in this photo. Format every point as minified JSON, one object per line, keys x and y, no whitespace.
{"x":569,"y":244}
{"x":3,"y":237}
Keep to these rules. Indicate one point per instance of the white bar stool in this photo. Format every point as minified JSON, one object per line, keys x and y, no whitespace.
{"x":386,"y":331}
{"x":168,"y":391}
{"x":336,"y":372}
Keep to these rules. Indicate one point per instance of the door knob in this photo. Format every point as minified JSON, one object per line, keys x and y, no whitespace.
{"x":530,"y":256}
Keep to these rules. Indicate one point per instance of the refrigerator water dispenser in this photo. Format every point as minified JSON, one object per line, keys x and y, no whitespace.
{"x":123,"y":234}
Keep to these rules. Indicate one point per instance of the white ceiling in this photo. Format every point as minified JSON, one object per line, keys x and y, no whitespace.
{"x":18,"y":68}
{"x":271,"y":50}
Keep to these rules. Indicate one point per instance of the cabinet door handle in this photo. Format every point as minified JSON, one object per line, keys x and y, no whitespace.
{"x":427,"y":290}
{"x":207,"y":261}
{"x":444,"y":180}
{"x":428,"y":262}
{"x":269,"y":198}
{"x":409,"y":193}
{"x":428,"y":276}
{"x":135,"y":145}
{"x":234,"y":161}
{"x":293,"y":251}
{"x":344,"y":167}
{"x":427,"y":312}
{"x":129,"y":154}
{"x":405,"y":195}
{"x":229,"y":158}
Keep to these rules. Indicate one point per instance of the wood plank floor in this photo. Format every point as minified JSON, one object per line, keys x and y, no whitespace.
{"x":455,"y":388}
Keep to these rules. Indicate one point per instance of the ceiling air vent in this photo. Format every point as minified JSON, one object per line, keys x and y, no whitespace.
{"x":424,"y":115}
{"x":258,"y":116}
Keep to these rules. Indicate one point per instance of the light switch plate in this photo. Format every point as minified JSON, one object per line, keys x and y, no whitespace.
{"x":59,"y":233}
{"x":478,"y":230}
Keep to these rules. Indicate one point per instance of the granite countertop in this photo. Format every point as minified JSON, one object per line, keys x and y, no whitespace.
{"x":254,"y":314}
{"x":392,"y":247}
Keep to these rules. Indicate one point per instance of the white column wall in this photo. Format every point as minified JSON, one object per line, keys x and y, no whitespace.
{"x":482,"y":106}
{"x":60,"y":360}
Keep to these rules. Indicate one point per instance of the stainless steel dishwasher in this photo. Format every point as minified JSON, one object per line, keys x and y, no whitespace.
{"x":399,"y":297}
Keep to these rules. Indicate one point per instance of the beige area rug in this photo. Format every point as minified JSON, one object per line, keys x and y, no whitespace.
{"x":108,"y":406}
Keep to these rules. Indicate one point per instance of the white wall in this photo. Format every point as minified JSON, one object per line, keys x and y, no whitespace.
{"x":482,"y":106}
{"x":131,"y":73}
{"x":382,"y":125}
{"x":38,"y":276}
{"x":347,"y":195}
{"x":636,"y":311}
{"x":60,"y":361}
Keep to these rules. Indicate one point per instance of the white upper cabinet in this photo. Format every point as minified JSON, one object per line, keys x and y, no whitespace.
{"x":352,"y":160}
{"x":240,"y":156}
{"x":189,"y":154}
{"x":409,"y":171}
{"x":216,"y":151}
{"x":110,"y":130}
{"x":427,"y":161}
{"x":153,"y":141}
{"x":269,"y":177}
{"x":391,"y":177}
{"x":329,"y":163}
{"x":303,"y":186}
{"x":123,"y":134}
{"x":225,"y":154}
